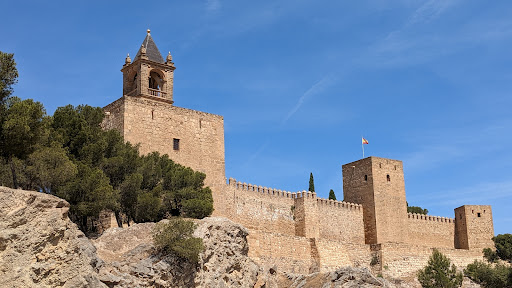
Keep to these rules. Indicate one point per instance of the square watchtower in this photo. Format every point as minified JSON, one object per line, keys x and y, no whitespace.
{"x":378,"y":185}
{"x":473,"y":227}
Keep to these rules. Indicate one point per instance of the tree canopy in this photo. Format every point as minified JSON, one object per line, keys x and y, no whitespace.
{"x":68,"y":155}
{"x":416,"y":209}
{"x":8,"y":75}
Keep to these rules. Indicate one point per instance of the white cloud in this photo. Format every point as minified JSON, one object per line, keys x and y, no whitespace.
{"x":430,"y":11}
{"x":318,"y":87}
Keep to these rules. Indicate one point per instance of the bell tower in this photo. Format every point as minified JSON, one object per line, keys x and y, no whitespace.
{"x":149,"y":76}
{"x":145,"y":115}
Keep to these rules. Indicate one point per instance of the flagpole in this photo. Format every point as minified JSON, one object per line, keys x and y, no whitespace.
{"x":362,"y":146}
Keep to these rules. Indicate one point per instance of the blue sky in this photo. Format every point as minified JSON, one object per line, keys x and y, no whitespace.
{"x":299,"y":82}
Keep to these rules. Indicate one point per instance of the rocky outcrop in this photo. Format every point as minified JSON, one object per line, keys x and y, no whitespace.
{"x":40,"y":246}
{"x":130,"y":260}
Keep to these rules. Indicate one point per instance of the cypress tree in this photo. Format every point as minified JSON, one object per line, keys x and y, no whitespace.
{"x":311,"y":183}
{"x":332,"y":195}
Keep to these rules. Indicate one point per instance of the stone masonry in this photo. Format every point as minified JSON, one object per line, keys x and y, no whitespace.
{"x":295,"y":231}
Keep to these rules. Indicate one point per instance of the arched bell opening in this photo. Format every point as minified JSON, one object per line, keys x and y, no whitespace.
{"x":130,"y":83}
{"x":156,"y":83}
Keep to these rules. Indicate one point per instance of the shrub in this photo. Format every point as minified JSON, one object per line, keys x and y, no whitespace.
{"x":489,"y":276}
{"x":503,"y":243}
{"x":438,"y":274}
{"x":175,"y":237}
{"x":490,"y":255}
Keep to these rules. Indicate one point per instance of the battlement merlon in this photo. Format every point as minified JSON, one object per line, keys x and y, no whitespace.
{"x":423,"y":217}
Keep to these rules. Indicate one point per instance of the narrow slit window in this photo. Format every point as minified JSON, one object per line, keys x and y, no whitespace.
{"x":478,"y":214}
{"x":176,"y":144}
{"x":388,"y":178}
{"x":153,"y":114}
{"x":365,"y":177}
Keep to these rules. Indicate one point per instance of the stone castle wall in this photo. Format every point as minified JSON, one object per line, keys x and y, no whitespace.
{"x":403,"y":260}
{"x":276,"y":211}
{"x":297,"y":254}
{"x":261,"y":208}
{"x":431,"y":231}
{"x":298,"y":232}
{"x":340,"y":221}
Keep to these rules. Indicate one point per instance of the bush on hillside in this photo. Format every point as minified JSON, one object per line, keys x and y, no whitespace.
{"x":489,"y":275}
{"x":503,"y":243}
{"x":175,"y":238}
{"x":494,"y":273}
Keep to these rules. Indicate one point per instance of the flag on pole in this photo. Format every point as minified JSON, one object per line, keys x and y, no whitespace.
{"x":364,"y":141}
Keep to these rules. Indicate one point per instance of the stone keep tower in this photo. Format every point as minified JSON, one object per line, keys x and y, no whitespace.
{"x":378,"y":184}
{"x":473,"y":227}
{"x":145,"y":115}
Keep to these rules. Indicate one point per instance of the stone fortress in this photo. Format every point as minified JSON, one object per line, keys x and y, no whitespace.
{"x":296,"y":232}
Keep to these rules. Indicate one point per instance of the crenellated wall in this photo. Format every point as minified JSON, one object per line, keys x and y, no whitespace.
{"x":431,"y":231}
{"x":295,"y":213}
{"x":261,"y":208}
{"x":340,"y":221}
{"x":299,"y":232}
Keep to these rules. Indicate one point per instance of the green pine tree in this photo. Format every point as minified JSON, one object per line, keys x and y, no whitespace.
{"x":311,"y":183}
{"x":438,"y":273}
{"x":332,"y":195}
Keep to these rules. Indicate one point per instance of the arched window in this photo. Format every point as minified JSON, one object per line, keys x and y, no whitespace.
{"x":155,"y":81}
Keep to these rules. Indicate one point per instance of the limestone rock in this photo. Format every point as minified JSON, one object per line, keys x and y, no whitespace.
{"x":40,"y":246}
{"x":130,"y":256}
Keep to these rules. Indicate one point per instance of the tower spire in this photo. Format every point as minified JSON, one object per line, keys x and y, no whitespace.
{"x":152,"y":51}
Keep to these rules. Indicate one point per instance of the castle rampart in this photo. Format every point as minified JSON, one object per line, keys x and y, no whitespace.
{"x":295,"y":213}
{"x":431,"y":231}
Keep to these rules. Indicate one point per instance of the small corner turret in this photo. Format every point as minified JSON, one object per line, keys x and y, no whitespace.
{"x":149,"y":76}
{"x":473,"y":227}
